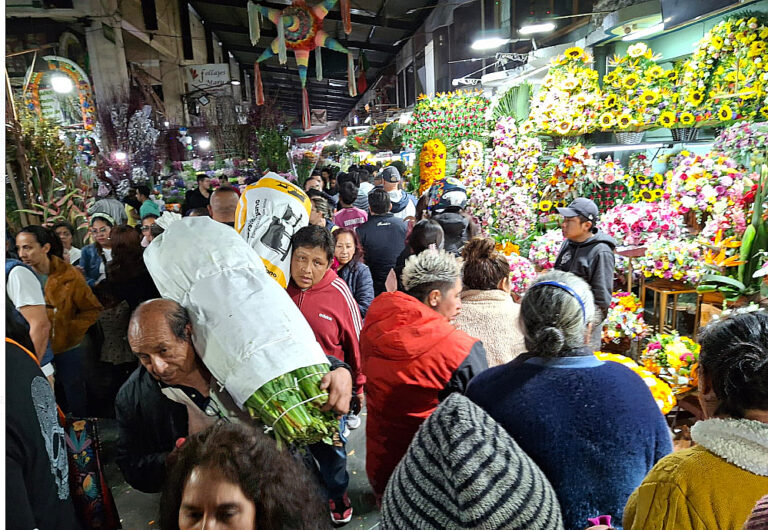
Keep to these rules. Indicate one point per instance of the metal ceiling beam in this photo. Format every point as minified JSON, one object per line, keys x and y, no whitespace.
{"x":341,"y":91}
{"x":366,"y":20}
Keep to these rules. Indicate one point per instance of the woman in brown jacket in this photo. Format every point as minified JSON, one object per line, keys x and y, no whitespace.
{"x":72,"y":309}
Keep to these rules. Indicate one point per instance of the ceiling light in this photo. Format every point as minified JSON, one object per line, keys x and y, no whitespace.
{"x":235,"y":82}
{"x":490,"y":43}
{"x":120,"y":156}
{"x":62,"y":84}
{"x":167,"y":123}
{"x":204,"y":143}
{"x":623,"y":147}
{"x":542,"y":27}
{"x":642,"y":33}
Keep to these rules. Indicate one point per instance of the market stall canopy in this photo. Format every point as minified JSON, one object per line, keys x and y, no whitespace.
{"x":379,"y":28}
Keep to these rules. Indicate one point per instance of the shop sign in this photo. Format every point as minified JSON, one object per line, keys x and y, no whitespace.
{"x":207,"y":75}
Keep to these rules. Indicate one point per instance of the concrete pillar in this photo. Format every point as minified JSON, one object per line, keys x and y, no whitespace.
{"x":109,"y":69}
{"x":173,"y":87}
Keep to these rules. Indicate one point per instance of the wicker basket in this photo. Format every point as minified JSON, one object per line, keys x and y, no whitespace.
{"x":686,"y":134}
{"x":629,"y":138}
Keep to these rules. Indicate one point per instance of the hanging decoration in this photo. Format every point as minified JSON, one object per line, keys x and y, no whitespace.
{"x":300,"y":30}
{"x":62,"y":65}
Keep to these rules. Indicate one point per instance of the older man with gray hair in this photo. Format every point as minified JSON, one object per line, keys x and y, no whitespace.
{"x":171,"y":396}
{"x":413,"y":357}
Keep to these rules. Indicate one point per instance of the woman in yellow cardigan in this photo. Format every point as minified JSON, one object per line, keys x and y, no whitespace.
{"x":715,"y":484}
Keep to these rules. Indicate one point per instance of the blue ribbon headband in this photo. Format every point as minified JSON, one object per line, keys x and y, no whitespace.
{"x":569,"y":291}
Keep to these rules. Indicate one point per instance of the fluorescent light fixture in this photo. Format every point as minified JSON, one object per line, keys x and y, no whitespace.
{"x":235,"y":82}
{"x":623,"y":147}
{"x":642,"y":33}
{"x":490,"y":43}
{"x":542,"y":27}
{"x":167,"y":123}
{"x":204,"y":143}
{"x":61,"y":84}
{"x":120,"y":156}
{"x":358,"y":128}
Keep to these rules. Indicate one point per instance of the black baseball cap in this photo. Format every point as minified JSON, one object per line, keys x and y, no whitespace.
{"x":583,"y":207}
{"x":390,"y":174}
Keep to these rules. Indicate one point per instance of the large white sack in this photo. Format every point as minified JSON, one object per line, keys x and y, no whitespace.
{"x":246,"y":328}
{"x":267,"y":216}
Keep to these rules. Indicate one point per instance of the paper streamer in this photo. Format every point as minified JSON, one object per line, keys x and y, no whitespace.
{"x":318,"y":64}
{"x":282,"y":53}
{"x":258,"y":87}
{"x":254,"y":24}
{"x":352,"y":82}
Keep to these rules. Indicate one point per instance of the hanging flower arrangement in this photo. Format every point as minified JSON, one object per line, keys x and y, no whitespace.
{"x":470,"y":167}
{"x":521,"y":273}
{"x":566,"y":172}
{"x":545,"y":248}
{"x":673,"y":259}
{"x":725,"y":78}
{"x":431,"y":164}
{"x":455,"y":116}
{"x":637,"y":91}
{"x":674,"y":359}
{"x":641,"y":223}
{"x":710,"y":183}
{"x":569,"y":101}
{"x":660,"y":390}
{"x":644,"y":183}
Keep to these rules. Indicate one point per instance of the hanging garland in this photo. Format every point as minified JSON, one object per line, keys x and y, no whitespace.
{"x":79,"y":79}
{"x":431,"y":164}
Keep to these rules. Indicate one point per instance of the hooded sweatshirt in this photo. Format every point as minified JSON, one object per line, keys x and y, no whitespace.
{"x":413,"y":358}
{"x":403,"y":204}
{"x":455,"y":229}
{"x":333,"y":314}
{"x":592,"y":260}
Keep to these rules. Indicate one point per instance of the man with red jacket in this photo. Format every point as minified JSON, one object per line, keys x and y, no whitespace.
{"x":413,"y":358}
{"x":332,"y":312}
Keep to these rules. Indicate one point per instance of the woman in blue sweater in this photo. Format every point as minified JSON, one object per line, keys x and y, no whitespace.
{"x":591,"y":426}
{"x":349,"y":255}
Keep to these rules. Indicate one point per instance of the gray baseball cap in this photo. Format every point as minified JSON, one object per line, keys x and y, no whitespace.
{"x":581,"y":206}
{"x":390,"y":174}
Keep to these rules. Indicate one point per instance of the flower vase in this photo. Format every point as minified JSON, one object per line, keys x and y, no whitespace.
{"x":629,"y":138}
{"x":685,"y":134}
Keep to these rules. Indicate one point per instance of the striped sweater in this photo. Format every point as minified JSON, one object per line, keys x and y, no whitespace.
{"x":334,"y":316}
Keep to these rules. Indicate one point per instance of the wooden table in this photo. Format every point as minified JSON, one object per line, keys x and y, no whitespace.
{"x":630,"y":253}
{"x":665,"y":289}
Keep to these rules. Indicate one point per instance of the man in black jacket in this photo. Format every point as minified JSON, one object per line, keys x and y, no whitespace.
{"x":200,"y":197}
{"x":170,"y":395}
{"x":588,"y":253}
{"x":382,"y":237}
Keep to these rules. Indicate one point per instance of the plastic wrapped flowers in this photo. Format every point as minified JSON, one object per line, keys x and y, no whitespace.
{"x":641,"y":223}
{"x":625,"y":319}
{"x":660,"y":390}
{"x":521,"y":273}
{"x":545,"y":248}
{"x":673,"y":259}
{"x":674,"y":359}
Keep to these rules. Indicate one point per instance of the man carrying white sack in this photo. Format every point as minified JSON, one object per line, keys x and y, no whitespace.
{"x":239,"y":334}
{"x":170,"y":396}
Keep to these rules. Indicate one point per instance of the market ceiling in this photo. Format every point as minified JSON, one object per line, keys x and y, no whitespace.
{"x":379,"y":29}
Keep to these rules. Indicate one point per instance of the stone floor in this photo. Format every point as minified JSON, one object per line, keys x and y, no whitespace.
{"x":140,"y":510}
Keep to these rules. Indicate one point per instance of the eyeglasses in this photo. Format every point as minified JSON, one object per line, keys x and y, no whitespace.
{"x":146,"y":228}
{"x":97,"y":231}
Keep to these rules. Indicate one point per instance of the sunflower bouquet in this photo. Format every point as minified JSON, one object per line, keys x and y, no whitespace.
{"x":725,"y":78}
{"x":646,"y":185}
{"x":637,"y":91}
{"x":641,"y":223}
{"x":711,"y":183}
{"x":570,"y":98}
{"x":673,"y":259}
{"x":545,"y":248}
{"x":660,"y":390}
{"x":674,"y":359}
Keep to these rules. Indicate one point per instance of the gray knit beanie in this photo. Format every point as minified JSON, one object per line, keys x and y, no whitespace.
{"x":463,"y":470}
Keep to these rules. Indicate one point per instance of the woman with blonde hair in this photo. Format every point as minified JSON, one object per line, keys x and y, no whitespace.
{"x":487,"y":309}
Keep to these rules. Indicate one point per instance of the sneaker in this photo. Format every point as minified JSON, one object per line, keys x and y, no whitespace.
{"x":353,"y":421}
{"x":341,"y":510}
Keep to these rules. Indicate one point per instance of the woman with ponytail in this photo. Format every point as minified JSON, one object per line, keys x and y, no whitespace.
{"x":487,"y":309}
{"x":716,"y":483}
{"x":592,"y":427}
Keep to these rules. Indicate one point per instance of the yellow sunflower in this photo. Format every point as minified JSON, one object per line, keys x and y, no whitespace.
{"x":695,"y":98}
{"x":545,"y":206}
{"x":672,"y":75}
{"x":646,"y":195}
{"x":606,"y":120}
{"x":611,"y":101}
{"x":716,"y":42}
{"x":725,"y":113}
{"x":609,"y":78}
{"x":687,"y":119}
{"x":574,"y":52}
{"x":657,"y":194}
{"x":667,"y":118}
{"x":564,"y":127}
{"x":643,"y":179}
{"x":624,"y":120}
{"x":764,"y":112}
{"x":650,"y":97}
{"x":631,"y":81}
{"x":658,"y":179}
{"x":655,"y":71}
